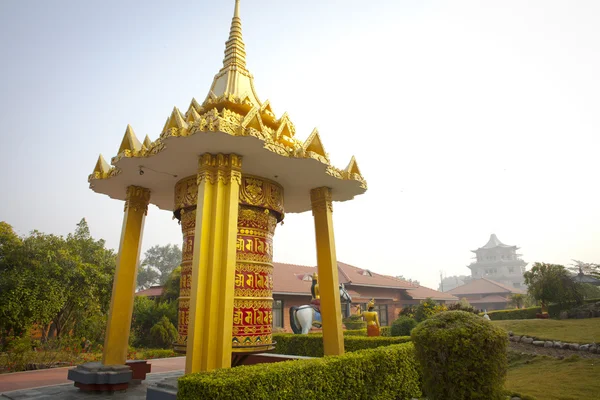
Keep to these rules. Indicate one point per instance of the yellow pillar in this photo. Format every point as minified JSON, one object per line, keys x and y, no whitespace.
{"x":213,"y":265}
{"x":121,"y":301}
{"x":331,"y":310}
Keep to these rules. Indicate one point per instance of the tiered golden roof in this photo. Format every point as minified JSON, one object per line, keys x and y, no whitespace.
{"x":231,"y":107}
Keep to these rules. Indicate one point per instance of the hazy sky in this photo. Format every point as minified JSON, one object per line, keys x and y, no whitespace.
{"x":466,"y":117}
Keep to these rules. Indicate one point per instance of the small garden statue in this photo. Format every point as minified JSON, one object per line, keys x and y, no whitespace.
{"x":485,"y":315}
{"x":371,"y":318}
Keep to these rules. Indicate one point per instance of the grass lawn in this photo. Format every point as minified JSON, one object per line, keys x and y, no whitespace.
{"x":566,"y":330}
{"x":547,"y":378}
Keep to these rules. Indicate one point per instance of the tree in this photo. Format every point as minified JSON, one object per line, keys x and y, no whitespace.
{"x":585,"y":268}
{"x":159,"y":262}
{"x":171,"y":287}
{"x":413,"y":281}
{"x":50,"y":280}
{"x":517,"y":300}
{"x":551,"y":283}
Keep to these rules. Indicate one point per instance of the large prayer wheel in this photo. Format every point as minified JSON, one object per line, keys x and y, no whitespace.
{"x":261,"y":208}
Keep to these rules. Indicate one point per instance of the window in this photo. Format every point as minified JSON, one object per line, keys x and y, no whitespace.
{"x":516,"y":284}
{"x":382,"y":310}
{"x":277,"y":313}
{"x":511,"y":270}
{"x":346,"y":309}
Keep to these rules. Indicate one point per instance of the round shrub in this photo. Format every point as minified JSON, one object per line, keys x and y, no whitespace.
{"x":403,"y":326}
{"x":354,"y":322}
{"x":163,"y":334}
{"x":462,"y":356}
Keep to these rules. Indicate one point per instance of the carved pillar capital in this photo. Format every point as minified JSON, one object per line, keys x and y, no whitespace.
{"x":222,"y":168}
{"x":320,"y":199}
{"x":137,"y":199}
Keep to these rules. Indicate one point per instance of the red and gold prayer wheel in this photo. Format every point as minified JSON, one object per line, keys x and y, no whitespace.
{"x":261,"y":208}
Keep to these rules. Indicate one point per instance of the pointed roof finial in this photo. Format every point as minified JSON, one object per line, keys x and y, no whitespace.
{"x":235,"y":49}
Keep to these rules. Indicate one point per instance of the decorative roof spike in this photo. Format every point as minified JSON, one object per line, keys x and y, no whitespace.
{"x":286,"y":128}
{"x":192,"y":115}
{"x":352,"y":167}
{"x":235,"y":50}
{"x":130,"y":141}
{"x":102,"y":167}
{"x":314,"y":144}
{"x":147,"y":142}
{"x":176,"y":120}
{"x":253,"y":120}
{"x":194,"y":104}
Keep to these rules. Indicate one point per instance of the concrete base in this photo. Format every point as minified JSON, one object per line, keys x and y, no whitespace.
{"x":163,"y":390}
{"x":94,"y":376}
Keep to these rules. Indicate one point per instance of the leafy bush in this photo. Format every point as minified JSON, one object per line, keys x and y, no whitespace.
{"x":462,"y":357}
{"x":385,"y":373}
{"x":524,"y":313}
{"x":354,"y":322}
{"x":385,"y":331}
{"x":463,"y":305}
{"x":555,"y":309}
{"x":408,"y":311}
{"x":146,"y":314}
{"x":149,"y":354}
{"x":163,"y":334}
{"x":428,"y":309}
{"x":312,"y":345}
{"x":402,"y":326}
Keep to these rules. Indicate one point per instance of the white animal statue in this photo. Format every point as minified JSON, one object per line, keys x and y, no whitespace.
{"x":304,"y":317}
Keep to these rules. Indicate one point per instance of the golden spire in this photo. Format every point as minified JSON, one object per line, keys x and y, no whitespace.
{"x":235,"y":50}
{"x":234,"y":83}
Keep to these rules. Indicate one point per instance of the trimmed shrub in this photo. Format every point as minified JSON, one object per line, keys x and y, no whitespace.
{"x":386,"y":331}
{"x":523,"y":313}
{"x":158,"y":353}
{"x":462,"y":357}
{"x":402,"y":326}
{"x":354,"y":322}
{"x":312,"y":345}
{"x":386,"y":373}
{"x":163,"y":334}
{"x":353,"y":332}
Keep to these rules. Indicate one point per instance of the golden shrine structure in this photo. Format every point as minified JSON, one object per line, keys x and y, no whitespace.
{"x":234,"y":170}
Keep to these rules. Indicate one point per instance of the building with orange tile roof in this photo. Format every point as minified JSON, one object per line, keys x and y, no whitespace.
{"x":291,"y":287}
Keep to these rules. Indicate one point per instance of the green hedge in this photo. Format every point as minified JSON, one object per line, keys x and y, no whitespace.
{"x":555,"y":309}
{"x":312,"y":345}
{"x":354,"y":332}
{"x":462,"y":356}
{"x":403,"y":325}
{"x":523,"y":313}
{"x":386,"y":373}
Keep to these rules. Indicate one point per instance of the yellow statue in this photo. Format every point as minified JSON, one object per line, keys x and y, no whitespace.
{"x":314,"y":289}
{"x":371,"y":317}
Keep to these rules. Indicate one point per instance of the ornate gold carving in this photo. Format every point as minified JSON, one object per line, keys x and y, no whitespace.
{"x":222,"y":168}
{"x":186,"y":192}
{"x":137,"y":199}
{"x":320,"y":199}
{"x":260,"y":192}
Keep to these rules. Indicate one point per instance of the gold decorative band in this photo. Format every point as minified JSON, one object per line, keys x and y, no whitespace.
{"x":137,"y":199}
{"x":254,"y":191}
{"x":264,"y":193}
{"x":320,"y":199}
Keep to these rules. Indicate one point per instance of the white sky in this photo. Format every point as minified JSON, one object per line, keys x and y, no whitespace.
{"x":466,"y":117}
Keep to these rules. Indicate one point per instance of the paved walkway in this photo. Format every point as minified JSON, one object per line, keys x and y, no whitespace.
{"x":57,"y":376}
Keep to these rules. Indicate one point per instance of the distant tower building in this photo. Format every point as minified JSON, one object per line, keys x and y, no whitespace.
{"x":500,"y":263}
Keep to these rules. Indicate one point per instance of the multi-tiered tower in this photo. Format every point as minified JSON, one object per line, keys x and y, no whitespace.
{"x":499,"y":262}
